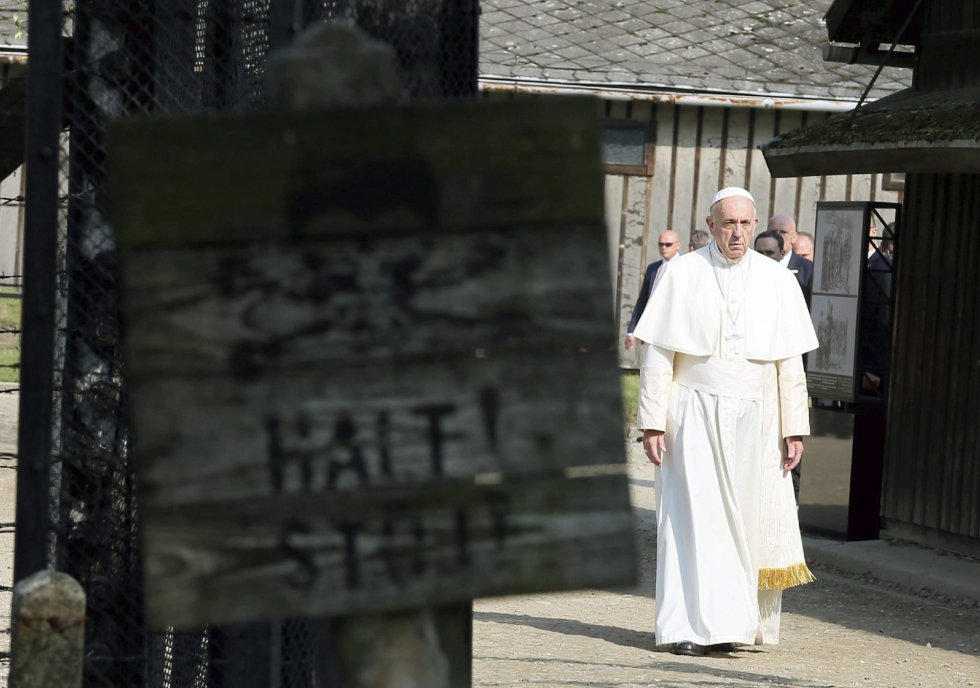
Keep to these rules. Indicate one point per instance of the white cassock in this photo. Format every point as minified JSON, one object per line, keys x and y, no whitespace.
{"x":723,"y":377}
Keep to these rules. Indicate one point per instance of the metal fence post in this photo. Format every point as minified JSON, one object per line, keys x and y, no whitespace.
{"x":44,"y":98}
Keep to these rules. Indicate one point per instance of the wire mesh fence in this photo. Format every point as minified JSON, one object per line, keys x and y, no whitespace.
{"x":13,"y":63}
{"x":142,"y":57}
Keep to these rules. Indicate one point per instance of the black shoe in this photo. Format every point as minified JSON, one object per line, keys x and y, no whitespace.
{"x":688,"y":649}
{"x":722,"y":647}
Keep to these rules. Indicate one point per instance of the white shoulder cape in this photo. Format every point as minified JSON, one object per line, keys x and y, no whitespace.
{"x":684,"y":311}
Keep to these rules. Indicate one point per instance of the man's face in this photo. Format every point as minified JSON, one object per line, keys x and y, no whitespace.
{"x":732,"y":223}
{"x":872,"y":234}
{"x":768,"y":247}
{"x":804,"y":247}
{"x":668,"y":244}
{"x":786,"y":226}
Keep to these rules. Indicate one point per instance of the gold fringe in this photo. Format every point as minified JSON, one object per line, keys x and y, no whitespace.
{"x":780,"y":579}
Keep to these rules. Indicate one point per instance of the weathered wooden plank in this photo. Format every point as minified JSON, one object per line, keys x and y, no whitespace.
{"x":784,"y":198}
{"x":256,"y":309}
{"x":641,"y":111}
{"x":645,"y":112}
{"x":685,"y":151}
{"x":660,"y":194}
{"x":465,"y":166}
{"x":913,"y":343}
{"x":376,"y":426}
{"x":785,"y":195}
{"x":809,"y":196}
{"x":631,"y":269}
{"x":959,"y":328}
{"x":735,"y":148}
{"x":329,"y":553}
{"x":764,"y":130}
{"x":925,"y":204}
{"x":614,"y":226}
{"x":931,"y":455}
{"x":616,"y":109}
{"x":708,"y":171}
{"x":861,"y":187}
{"x":968,"y":437}
{"x":836,"y":188}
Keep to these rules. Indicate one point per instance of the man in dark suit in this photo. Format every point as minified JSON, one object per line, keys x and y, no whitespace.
{"x":803,"y":270}
{"x":769,"y":244}
{"x":801,"y":267}
{"x":669,"y":243}
{"x":876,"y":321}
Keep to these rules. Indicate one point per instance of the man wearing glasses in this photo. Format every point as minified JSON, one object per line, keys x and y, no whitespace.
{"x":669,"y":243}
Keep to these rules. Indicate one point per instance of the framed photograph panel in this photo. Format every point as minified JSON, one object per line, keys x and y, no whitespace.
{"x":839,"y":249}
{"x":831,"y":368}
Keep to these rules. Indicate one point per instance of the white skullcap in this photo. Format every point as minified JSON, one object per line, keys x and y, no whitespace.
{"x":730,"y":191}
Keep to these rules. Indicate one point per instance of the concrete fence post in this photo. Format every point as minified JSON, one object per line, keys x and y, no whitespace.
{"x":48,"y":632}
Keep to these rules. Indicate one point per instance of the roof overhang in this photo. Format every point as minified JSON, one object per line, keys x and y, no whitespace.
{"x":661,"y":94}
{"x":905,"y":132}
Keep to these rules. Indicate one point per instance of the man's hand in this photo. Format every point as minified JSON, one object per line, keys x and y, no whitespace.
{"x":655,"y":447}
{"x":794,"y":452}
{"x":630,"y":341}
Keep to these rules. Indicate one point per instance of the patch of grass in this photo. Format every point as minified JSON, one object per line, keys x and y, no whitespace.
{"x":630,"y":382}
{"x":10,"y":364}
{"x":10,"y":309}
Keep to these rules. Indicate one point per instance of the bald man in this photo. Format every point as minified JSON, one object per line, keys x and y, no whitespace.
{"x":668,"y":244}
{"x":804,"y":245}
{"x":801,"y":268}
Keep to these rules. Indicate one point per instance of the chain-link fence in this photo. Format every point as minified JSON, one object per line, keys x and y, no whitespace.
{"x":13,"y":72}
{"x":78,"y":512}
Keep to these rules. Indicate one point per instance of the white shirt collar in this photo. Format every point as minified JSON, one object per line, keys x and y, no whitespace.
{"x":720,"y":260}
{"x":784,"y":261}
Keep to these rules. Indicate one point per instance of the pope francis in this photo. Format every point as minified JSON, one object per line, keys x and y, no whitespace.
{"x":723,"y":408}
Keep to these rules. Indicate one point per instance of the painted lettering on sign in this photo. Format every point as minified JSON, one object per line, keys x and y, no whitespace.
{"x":308,"y":452}
{"x":400,"y":536}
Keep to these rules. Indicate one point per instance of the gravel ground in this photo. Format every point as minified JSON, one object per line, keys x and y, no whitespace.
{"x":839,"y":632}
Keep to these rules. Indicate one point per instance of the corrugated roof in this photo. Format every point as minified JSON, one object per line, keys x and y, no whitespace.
{"x":739,"y":47}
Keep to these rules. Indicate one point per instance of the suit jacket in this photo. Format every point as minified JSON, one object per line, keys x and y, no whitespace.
{"x":644,"y":295}
{"x":803,"y":270}
{"x":876,"y":319}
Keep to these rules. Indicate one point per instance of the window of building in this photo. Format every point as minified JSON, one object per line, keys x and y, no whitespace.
{"x":627,"y":147}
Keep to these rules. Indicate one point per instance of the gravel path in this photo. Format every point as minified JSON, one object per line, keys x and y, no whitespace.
{"x":839,"y":632}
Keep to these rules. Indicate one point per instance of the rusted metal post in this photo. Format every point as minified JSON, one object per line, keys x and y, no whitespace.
{"x":48,"y":632}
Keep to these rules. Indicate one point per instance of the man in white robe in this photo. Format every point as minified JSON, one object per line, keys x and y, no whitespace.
{"x":723,"y":409}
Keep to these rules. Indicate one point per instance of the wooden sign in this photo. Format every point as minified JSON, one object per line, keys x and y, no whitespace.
{"x":370,"y":358}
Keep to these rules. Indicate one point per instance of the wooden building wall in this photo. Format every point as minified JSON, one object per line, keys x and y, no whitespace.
{"x":931,"y":490}
{"x":696,"y":151}
{"x":12,"y":229}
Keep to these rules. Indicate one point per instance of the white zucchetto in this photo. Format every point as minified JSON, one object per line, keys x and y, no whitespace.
{"x":730,"y":191}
